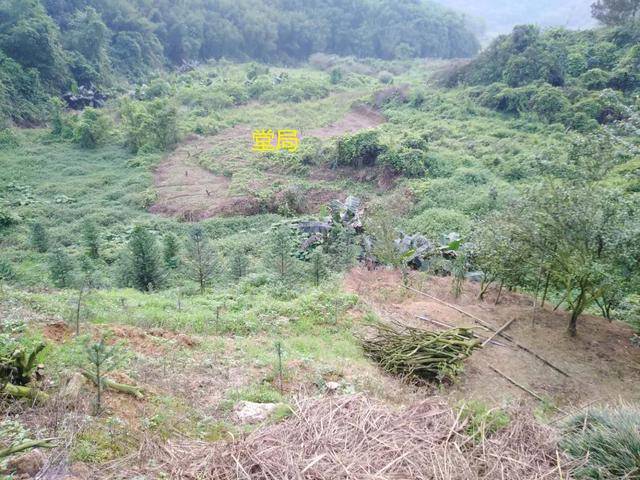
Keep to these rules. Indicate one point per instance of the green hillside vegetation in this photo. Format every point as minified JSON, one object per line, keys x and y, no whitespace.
{"x":579,"y":79}
{"x":56,"y":45}
{"x":146,"y":248}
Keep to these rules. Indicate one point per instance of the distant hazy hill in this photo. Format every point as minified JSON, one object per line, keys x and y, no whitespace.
{"x":499,"y":16}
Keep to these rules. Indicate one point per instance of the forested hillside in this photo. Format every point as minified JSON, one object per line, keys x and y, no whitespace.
{"x":51,"y":45}
{"x":580,"y":79}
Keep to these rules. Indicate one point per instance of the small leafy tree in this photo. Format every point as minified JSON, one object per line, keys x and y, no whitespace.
{"x":39,"y":237}
{"x":201,"y":260}
{"x":280,"y":255}
{"x":102,"y":359}
{"x":145,"y":263}
{"x":381,"y":226}
{"x":61,"y":268}
{"x":317,"y":266}
{"x":577,"y":238}
{"x":150,"y":126}
{"x":616,"y":12}
{"x":170,"y":251}
{"x":91,"y":239}
{"x":92,"y":129}
{"x":238,"y":263}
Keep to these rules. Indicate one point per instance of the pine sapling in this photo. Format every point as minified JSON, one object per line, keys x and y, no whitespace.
{"x":102,"y":360}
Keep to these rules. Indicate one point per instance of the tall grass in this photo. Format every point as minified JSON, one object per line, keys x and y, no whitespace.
{"x":607,"y":441}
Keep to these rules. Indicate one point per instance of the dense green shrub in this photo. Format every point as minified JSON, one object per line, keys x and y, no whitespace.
{"x":7,"y":273}
{"x":385,"y":77}
{"x":411,"y":162}
{"x":359,"y":150}
{"x":7,"y":218}
{"x":626,"y":76}
{"x":606,"y":442}
{"x":92,"y":128}
{"x":39,"y":237}
{"x":595,"y":79}
{"x":22,"y":96}
{"x":8,"y":139}
{"x":520,"y":72}
{"x":435,"y":222}
{"x":149,"y":126}
{"x":550,"y":104}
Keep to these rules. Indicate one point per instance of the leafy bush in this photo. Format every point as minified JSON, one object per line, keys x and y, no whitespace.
{"x":92,"y":129}
{"x":595,"y":79}
{"x":411,"y":162}
{"x":607,"y":441}
{"x":7,"y":218}
{"x":8,"y":139}
{"x":550,"y":104}
{"x":7,"y":273}
{"x":385,"y":77}
{"x":149,"y":126}
{"x":435,"y":222}
{"x":359,"y":150}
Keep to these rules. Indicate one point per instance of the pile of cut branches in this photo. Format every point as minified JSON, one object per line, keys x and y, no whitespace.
{"x":419,"y":354}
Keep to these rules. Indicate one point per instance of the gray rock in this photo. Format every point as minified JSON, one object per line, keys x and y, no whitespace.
{"x":250,"y":412}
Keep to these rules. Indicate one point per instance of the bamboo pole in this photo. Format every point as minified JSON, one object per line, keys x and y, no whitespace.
{"x":18,"y":391}
{"x":129,"y":389}
{"x":522,"y":387}
{"x":499,"y":331}
{"x":45,"y":443}
{"x":493,"y":329}
{"x":445,"y":325}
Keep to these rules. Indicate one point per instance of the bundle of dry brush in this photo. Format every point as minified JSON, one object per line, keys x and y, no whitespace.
{"x":419,"y":354}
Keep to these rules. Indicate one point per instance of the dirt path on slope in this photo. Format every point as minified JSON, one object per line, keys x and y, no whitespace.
{"x":190,"y":192}
{"x":602,"y":361}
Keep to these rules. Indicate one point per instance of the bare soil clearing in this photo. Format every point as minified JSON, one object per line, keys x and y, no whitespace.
{"x":602,"y":362}
{"x":188,"y":191}
{"x":360,"y":118}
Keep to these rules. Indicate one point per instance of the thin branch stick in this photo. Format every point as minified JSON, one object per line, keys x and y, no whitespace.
{"x":499,"y":331}
{"x":479,"y":321}
{"x":522,"y":387}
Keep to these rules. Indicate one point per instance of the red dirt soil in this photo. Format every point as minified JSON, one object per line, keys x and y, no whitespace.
{"x":602,"y":362}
